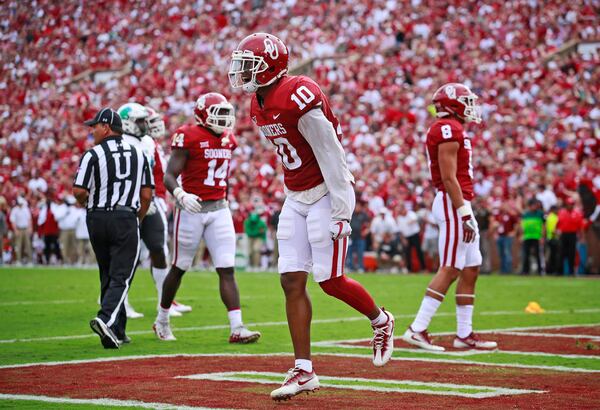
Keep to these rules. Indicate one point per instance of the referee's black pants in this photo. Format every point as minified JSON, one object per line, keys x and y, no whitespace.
{"x":115,"y":239}
{"x":568,"y":251}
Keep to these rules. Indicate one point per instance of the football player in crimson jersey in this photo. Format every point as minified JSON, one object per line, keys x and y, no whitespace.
{"x":201,"y":153}
{"x":450,"y":162}
{"x":295,"y":116}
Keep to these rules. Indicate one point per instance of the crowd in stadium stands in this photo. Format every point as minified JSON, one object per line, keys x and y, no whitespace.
{"x":378,"y":60}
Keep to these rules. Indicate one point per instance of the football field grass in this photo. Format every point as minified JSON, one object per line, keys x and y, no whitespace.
{"x":45,"y":314}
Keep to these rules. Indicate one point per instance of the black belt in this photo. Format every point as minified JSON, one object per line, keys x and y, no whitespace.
{"x":116,"y":208}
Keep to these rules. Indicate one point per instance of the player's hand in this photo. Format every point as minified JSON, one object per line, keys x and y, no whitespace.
{"x":189,"y":202}
{"x":339,"y":229}
{"x":151,"y":209}
{"x":470,"y":228}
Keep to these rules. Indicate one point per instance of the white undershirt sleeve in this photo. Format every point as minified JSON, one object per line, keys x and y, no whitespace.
{"x":320,"y":135}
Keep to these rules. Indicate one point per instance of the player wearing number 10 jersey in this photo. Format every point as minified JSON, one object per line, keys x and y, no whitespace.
{"x":201,"y":154}
{"x":295,"y":116}
{"x":450,"y":161}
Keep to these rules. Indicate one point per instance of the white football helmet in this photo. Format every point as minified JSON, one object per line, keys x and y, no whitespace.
{"x":155,"y":123}
{"x":134,"y":117}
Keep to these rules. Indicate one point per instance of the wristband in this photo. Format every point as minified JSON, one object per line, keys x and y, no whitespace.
{"x":464,"y":211}
{"x":177,"y":192}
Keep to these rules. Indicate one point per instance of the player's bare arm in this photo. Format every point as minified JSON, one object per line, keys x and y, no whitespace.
{"x":175,"y":166}
{"x":447,"y":155}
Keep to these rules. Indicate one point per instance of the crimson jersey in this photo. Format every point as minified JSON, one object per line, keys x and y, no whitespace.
{"x":277,"y":119}
{"x":207,"y":166}
{"x":447,"y":130}
{"x":159,"y":172}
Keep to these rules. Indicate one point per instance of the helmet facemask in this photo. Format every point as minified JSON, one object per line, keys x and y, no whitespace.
{"x":472,"y":112}
{"x":244,"y":69}
{"x":221,"y":117}
{"x":156,"y":127}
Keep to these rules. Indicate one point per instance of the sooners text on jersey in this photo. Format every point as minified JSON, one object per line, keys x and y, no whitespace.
{"x":288,"y":100}
{"x":207,"y":166}
{"x":448,"y":130}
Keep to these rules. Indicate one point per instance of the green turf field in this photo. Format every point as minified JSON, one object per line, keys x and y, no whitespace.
{"x":44,"y":315}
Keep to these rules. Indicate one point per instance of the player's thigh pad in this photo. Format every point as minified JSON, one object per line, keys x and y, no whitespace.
{"x":152,"y":233}
{"x":188,"y":231}
{"x":452,"y":248}
{"x":328,"y":256}
{"x":292,"y":239}
{"x":219,"y":236}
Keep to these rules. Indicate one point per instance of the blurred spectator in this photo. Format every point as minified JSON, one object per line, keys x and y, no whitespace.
{"x":389,"y":255}
{"x":358,"y":241}
{"x":256,"y":230}
{"x":430,"y":237}
{"x":85,"y":253}
{"x":483,"y":217}
{"x":380,"y":225}
{"x":546,"y":196}
{"x":408,"y":227}
{"x":48,"y":229}
{"x":3,"y":226}
{"x":570,"y":222}
{"x":66,"y":216}
{"x":552,"y":243}
{"x":506,"y":224}
{"x":532,"y":229}
{"x":22,"y":223}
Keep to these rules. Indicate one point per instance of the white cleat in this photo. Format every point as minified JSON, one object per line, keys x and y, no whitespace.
{"x":131,"y":313}
{"x":180,"y":307}
{"x":420,"y":339}
{"x":383,"y":341}
{"x":296,"y":381}
{"x":163,"y":331}
{"x":174,"y":312}
{"x":473,"y":342}
{"x":243,"y":336}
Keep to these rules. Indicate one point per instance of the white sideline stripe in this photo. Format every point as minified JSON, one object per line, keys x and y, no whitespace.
{"x":99,"y":402}
{"x":317,"y":321}
{"x":471,"y":362}
{"x":64,"y":302}
{"x":464,"y":353}
{"x":492,"y":391}
{"x":559,"y":335}
{"x":282,"y":354}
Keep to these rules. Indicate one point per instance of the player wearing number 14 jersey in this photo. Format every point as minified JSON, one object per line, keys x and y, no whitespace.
{"x":295,"y":116}
{"x":201,"y":154}
{"x":450,"y":161}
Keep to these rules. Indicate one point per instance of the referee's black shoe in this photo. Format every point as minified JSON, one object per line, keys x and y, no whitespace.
{"x":107,"y":337}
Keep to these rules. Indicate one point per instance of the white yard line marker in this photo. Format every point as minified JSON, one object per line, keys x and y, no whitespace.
{"x":316,"y":321}
{"x":364,"y":384}
{"x":99,"y":402}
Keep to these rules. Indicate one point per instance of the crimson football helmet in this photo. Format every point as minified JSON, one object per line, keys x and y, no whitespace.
{"x":214,"y":112}
{"x":458,"y":100}
{"x":156,"y":125}
{"x":259,"y":60}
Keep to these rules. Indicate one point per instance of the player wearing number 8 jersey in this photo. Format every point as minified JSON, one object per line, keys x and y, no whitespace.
{"x":201,"y":154}
{"x":450,"y":161}
{"x":295,"y":116}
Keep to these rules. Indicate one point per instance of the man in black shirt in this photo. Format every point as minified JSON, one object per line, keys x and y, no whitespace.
{"x":114,"y":182}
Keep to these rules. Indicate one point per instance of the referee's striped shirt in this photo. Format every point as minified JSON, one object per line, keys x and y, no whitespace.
{"x":113,"y":172}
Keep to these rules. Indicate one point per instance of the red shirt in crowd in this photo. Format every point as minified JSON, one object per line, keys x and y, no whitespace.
{"x":569,"y":221}
{"x":506,"y":223}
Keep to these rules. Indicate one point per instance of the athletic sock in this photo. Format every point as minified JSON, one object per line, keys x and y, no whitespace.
{"x":159,"y":275}
{"x":428,"y":308}
{"x":235,"y":318}
{"x":163,"y":314}
{"x":304,"y":364}
{"x":380,"y":320}
{"x":464,"y":320}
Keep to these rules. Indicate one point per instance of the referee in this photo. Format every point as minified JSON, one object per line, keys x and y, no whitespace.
{"x":114,"y":182}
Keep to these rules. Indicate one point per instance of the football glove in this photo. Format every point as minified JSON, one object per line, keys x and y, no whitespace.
{"x":470,"y":228}
{"x":339,"y":229}
{"x":187,"y":201}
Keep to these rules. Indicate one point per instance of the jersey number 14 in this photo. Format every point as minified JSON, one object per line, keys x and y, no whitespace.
{"x":216,"y":173}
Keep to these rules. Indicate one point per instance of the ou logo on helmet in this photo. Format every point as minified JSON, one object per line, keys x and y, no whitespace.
{"x":271,"y":48}
{"x":450,"y":92}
